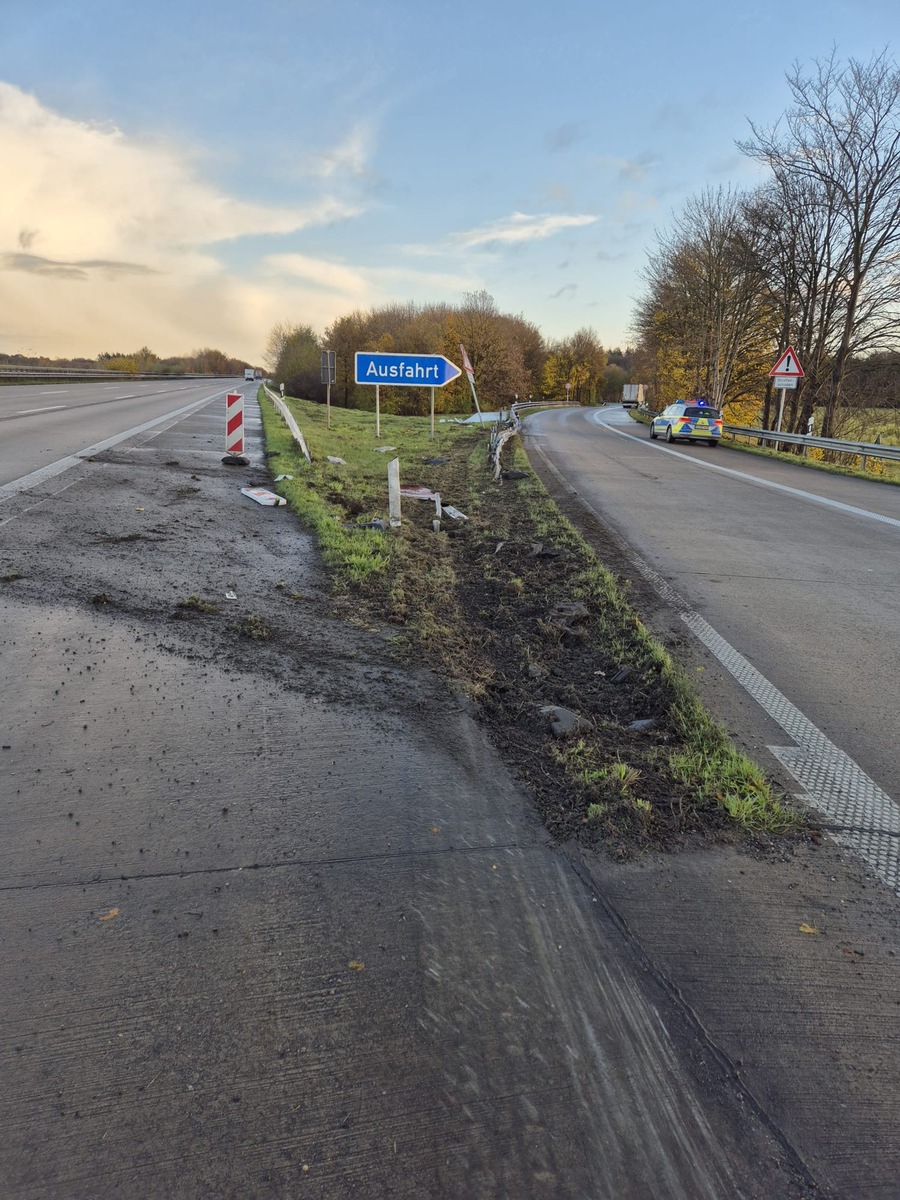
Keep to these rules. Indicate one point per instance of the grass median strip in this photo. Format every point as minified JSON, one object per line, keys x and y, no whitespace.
{"x":514,"y":607}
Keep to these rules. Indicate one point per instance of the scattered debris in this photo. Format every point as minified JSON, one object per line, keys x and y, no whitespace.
{"x":376,"y":523}
{"x":108,"y":916}
{"x":384,"y":449}
{"x":235,"y":460}
{"x":566,"y":615}
{"x":11,"y":577}
{"x":513,"y":474}
{"x":418,"y":493}
{"x":564,"y":722}
{"x":263,"y":496}
{"x":454,"y":513}
{"x":332,"y":458}
{"x":355,"y":965}
{"x":172,"y":462}
{"x":804,"y":928}
{"x":100,"y":599}
{"x":278,"y":478}
{"x":231,"y":595}
{"x":649,"y":723}
{"x":621,"y":675}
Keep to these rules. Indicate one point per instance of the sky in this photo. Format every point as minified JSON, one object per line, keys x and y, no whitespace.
{"x":187,"y":173}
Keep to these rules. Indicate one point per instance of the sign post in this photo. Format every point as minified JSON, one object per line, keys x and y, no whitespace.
{"x":470,"y":373}
{"x":786,"y":372}
{"x":403,"y":370}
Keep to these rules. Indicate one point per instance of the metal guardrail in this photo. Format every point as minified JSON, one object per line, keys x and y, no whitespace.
{"x":863,"y":449}
{"x":78,"y":373}
{"x":840,"y":445}
{"x":545,"y":404}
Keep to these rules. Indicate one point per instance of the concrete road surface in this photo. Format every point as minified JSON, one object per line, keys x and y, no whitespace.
{"x":275,"y":920}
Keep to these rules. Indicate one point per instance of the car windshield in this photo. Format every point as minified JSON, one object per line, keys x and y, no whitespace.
{"x":702,"y":410}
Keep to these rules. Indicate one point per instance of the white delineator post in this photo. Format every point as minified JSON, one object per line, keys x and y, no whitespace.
{"x":394,"y":491}
{"x":234,"y":423}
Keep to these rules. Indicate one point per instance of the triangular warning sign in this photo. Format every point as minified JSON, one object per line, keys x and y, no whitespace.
{"x":788,"y":365}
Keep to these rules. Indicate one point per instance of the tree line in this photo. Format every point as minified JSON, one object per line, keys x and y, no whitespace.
{"x":809,"y":258}
{"x":142,"y":362}
{"x":510,"y":357}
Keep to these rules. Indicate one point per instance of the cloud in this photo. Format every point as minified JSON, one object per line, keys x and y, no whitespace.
{"x":633,"y":170}
{"x":568,"y":289}
{"x":519,"y":227}
{"x":92,"y":187}
{"x":563,"y":137}
{"x":351,"y":155}
{"x":338,"y":287}
{"x":70,"y":270}
{"x":134,"y":225}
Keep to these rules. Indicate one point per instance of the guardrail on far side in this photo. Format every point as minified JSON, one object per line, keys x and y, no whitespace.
{"x":841,"y":445}
{"x":864,"y":449}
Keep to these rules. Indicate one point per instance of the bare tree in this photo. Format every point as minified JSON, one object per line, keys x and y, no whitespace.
{"x":705,"y":307}
{"x":839,"y":146}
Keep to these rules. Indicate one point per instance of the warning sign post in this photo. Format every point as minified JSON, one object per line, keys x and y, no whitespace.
{"x":785,"y":373}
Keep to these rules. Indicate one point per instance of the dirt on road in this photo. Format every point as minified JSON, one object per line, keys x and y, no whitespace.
{"x":280,"y":919}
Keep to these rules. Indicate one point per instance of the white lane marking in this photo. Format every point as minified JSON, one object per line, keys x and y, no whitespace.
{"x":130,"y":396}
{"x":23,"y":412}
{"x":867,"y":820}
{"x":55,"y":392}
{"x":754,"y":479}
{"x":42,"y":474}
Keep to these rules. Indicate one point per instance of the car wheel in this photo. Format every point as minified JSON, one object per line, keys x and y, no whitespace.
{"x":714,"y":442}
{"x":653,"y":432}
{"x":669,"y":437}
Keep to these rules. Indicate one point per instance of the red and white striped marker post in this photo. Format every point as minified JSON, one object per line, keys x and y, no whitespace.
{"x":234,"y":423}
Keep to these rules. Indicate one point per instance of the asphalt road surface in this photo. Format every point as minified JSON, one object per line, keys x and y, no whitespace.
{"x":789,"y":577}
{"x":275,"y":920}
{"x":43,"y":424}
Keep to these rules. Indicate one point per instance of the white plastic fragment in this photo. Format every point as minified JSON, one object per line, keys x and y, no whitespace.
{"x":455,"y":513}
{"x":333,"y":459}
{"x":278,"y":478}
{"x":263,"y":496}
{"x":384,"y":449}
{"x":231,"y":595}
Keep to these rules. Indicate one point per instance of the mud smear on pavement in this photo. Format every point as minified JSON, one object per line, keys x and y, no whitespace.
{"x":276,"y":922}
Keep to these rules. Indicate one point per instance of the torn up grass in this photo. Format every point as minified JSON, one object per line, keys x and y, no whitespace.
{"x":517,"y":609}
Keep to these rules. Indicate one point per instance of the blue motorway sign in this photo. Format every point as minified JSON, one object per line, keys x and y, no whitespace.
{"x":405,"y":370}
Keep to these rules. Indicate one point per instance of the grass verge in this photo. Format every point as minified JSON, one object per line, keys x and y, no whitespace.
{"x":513,"y":606}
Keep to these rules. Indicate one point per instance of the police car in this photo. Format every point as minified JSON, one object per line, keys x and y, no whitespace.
{"x":696,"y":421}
